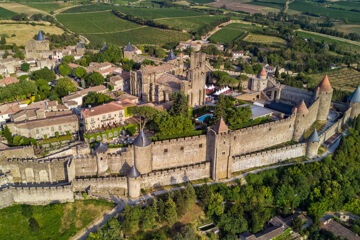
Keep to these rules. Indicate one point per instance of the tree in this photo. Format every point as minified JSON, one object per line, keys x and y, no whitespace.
{"x":234,"y":224}
{"x":80,"y":72}
{"x":186,"y":233}
{"x":144,"y":113}
{"x":94,"y":79}
{"x":68,"y":59}
{"x":131,"y":217}
{"x":95,"y":99}
{"x":64,"y":86}
{"x":44,"y":73}
{"x":179,"y":105}
{"x":25,"y":67}
{"x":170,"y":211}
{"x":64,"y":69}
{"x":189,"y":196}
{"x":2,"y":40}
{"x":43,"y":88}
{"x":8,"y":135}
{"x":148,"y":218}
{"x":215,"y":207}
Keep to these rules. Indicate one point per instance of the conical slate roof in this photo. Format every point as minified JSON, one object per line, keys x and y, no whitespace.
{"x":221,"y":126}
{"x":80,"y":45}
{"x":171,"y":56}
{"x":40,"y":36}
{"x":314,"y":137}
{"x":355,"y":96}
{"x":101,"y":147}
{"x":129,"y":48}
{"x":142,"y":140}
{"x":133,"y":172}
{"x":104,"y":47}
{"x":325,"y":84}
{"x":301,"y":108}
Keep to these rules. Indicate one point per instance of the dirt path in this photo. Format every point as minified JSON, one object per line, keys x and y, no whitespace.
{"x":57,"y":11}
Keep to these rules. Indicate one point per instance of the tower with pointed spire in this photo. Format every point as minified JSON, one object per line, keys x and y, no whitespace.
{"x":354,"y":103}
{"x":129,"y":51}
{"x":301,"y":122}
{"x":324,"y":92}
{"x":142,"y":153}
{"x":37,"y":48}
{"x":218,"y":138}
{"x":313,"y":143}
{"x":133,"y":182}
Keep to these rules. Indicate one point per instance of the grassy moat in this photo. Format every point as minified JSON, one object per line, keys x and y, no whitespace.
{"x":53,"y":221}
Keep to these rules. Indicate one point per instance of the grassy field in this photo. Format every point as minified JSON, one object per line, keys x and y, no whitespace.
{"x":259,"y":38}
{"x":20,"y":8}
{"x":153,"y":13}
{"x":347,"y":28}
{"x":345,"y":44}
{"x":143,"y":35}
{"x":99,"y":22}
{"x":227,"y":35}
{"x":6,"y":14}
{"x":25,"y":32}
{"x":345,"y":79}
{"x":188,"y":23}
{"x":56,"y":221}
{"x":48,"y":7}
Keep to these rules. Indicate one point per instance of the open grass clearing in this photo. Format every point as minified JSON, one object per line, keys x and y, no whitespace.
{"x":346,"y":44}
{"x":265,"y":39}
{"x":25,"y":32}
{"x":97,"y":22}
{"x":49,"y":7}
{"x":142,"y":35}
{"x":227,"y":35}
{"x":345,"y":79}
{"x":56,"y":221}
{"x":189,"y":23}
{"x":20,"y":8}
{"x":89,"y":8}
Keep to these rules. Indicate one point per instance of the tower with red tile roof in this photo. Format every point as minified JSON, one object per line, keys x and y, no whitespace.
{"x":324,"y":92}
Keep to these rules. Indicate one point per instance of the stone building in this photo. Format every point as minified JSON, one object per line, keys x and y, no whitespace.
{"x":105,"y":115}
{"x":39,"y":125}
{"x":76,"y":98}
{"x":157,"y":83}
{"x":217,"y":154}
{"x":37,"y":49}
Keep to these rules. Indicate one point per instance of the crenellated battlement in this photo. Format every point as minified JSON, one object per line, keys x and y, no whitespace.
{"x":38,"y":161}
{"x":180,"y":140}
{"x":174,"y":171}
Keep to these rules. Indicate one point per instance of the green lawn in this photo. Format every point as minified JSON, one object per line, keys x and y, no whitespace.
{"x":6,"y":14}
{"x":55,"y":221}
{"x":189,"y":23}
{"x":48,"y":7}
{"x":233,"y":31}
{"x":100,"y":22}
{"x":152,"y":13}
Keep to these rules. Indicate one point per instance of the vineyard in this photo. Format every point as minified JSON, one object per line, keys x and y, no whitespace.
{"x":345,"y":79}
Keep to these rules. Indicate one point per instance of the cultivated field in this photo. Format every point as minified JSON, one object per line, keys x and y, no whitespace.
{"x":259,"y":38}
{"x":345,"y":44}
{"x":100,"y":27}
{"x":25,"y":32}
{"x":6,"y":14}
{"x":89,"y":8}
{"x":142,"y":35}
{"x":20,"y":8}
{"x":243,"y":7}
{"x":153,"y":13}
{"x":345,"y":79}
{"x":55,"y":221}
{"x":48,"y":7}
{"x":95,"y":23}
{"x":188,"y":23}
{"x":347,"y":28}
{"x":227,"y":35}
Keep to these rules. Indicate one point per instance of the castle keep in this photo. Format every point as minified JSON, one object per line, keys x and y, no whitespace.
{"x":38,"y":49}
{"x":145,"y":164}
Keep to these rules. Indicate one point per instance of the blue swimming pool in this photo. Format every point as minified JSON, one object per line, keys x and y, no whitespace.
{"x":202,"y":118}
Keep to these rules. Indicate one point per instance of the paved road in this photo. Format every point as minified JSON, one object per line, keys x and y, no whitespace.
{"x":100,"y":222}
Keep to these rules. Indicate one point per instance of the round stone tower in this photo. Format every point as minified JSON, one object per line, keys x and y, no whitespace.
{"x":301,"y":111}
{"x":354,"y":102}
{"x":313,"y":143}
{"x":142,"y":153}
{"x":133,"y":182}
{"x":324,"y":91}
{"x":101,"y":160}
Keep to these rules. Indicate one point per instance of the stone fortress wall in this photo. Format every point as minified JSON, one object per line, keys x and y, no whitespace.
{"x":146,"y":164}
